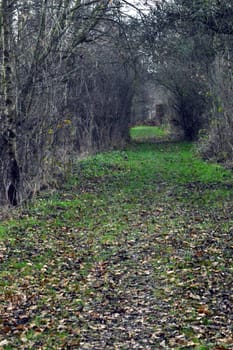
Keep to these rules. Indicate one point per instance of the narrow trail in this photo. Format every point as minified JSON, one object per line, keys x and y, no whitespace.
{"x":134,"y":253}
{"x":119,"y":315}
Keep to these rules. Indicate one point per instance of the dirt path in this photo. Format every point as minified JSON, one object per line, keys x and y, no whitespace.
{"x":160,"y":290}
{"x":132,"y":256}
{"x":120,"y":315}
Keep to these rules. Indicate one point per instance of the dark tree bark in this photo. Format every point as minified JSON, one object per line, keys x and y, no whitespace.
{"x":11,"y":172}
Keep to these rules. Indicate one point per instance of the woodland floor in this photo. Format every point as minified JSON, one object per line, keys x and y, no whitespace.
{"x":135,"y":252}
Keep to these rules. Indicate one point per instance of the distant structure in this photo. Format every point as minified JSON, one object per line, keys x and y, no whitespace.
{"x":152,"y":105}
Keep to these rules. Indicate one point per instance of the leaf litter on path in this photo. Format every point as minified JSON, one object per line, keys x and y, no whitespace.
{"x":144,"y":270}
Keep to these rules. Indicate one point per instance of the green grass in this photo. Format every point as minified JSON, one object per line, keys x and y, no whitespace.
{"x":2,"y":231}
{"x":148,"y":132}
{"x":152,"y":207}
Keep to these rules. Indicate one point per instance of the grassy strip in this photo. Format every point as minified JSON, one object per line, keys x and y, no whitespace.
{"x":144,"y":132}
{"x":151,"y":207}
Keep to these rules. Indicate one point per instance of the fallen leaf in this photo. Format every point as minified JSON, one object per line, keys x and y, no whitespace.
{"x":203,"y":309}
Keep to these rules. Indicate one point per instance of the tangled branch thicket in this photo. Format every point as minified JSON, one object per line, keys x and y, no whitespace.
{"x":69,"y":88}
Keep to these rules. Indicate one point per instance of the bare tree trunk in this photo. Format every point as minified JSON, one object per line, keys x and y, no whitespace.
{"x":11,"y":173}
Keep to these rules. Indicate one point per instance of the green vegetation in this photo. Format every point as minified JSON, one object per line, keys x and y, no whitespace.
{"x":139,"y":237}
{"x":149,"y":132}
